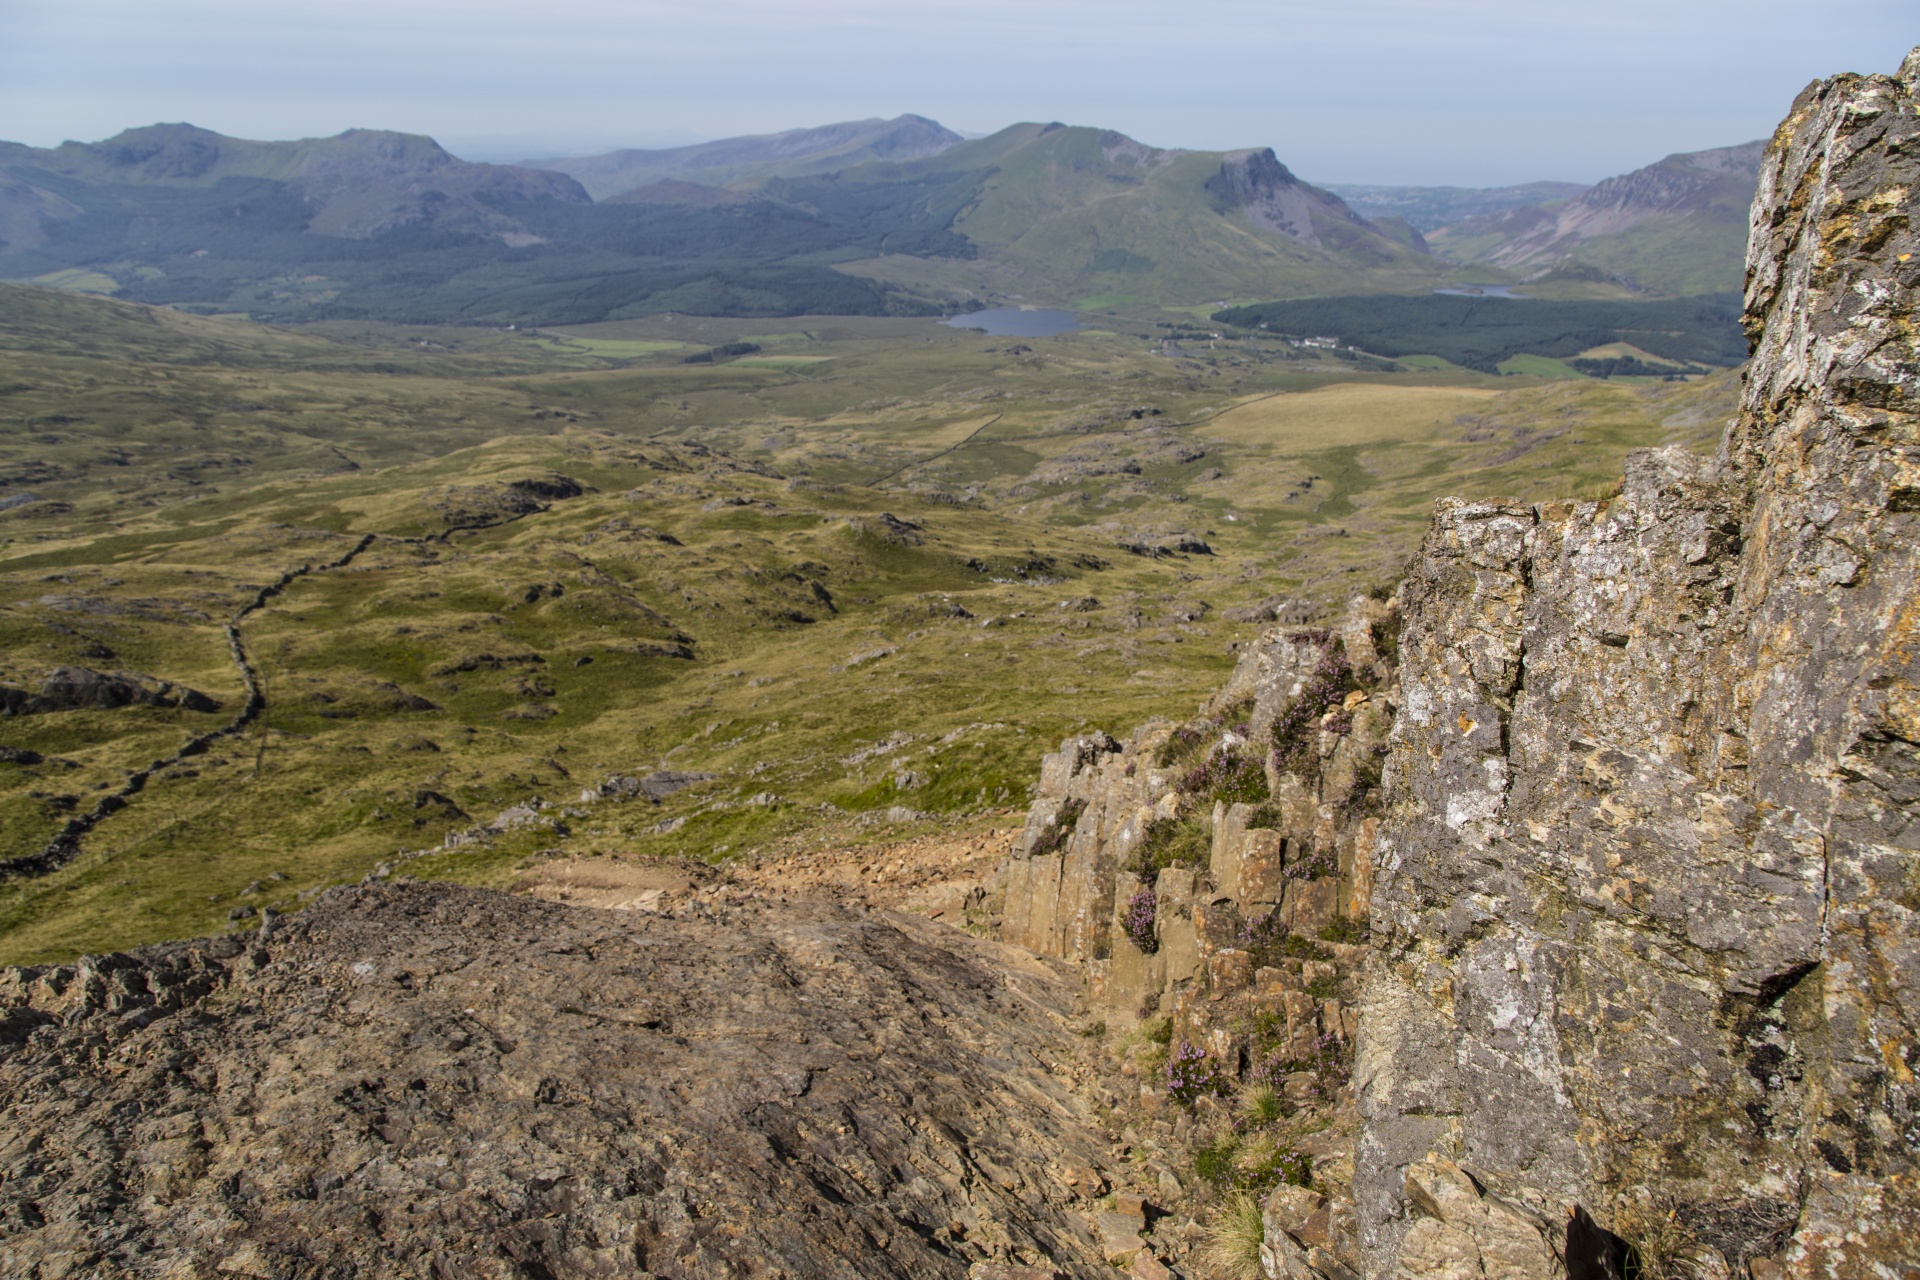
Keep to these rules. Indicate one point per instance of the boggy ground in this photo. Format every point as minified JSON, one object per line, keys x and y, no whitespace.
{"x":881,"y":565}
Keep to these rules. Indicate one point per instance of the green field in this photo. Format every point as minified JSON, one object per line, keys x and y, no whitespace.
{"x":883,"y":565}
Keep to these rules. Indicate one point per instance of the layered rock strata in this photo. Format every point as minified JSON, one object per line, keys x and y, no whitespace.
{"x":435,"y":1081}
{"x":1648,"y":874}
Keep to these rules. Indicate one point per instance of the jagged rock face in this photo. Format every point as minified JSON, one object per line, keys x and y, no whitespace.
{"x":450,"y":1082}
{"x":1256,"y":181}
{"x":1647,"y":880}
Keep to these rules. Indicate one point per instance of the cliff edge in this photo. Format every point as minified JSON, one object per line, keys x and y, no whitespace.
{"x":1648,"y":869}
{"x":1622,"y":800}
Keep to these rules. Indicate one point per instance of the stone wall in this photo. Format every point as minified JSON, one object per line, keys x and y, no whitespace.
{"x":1649,"y":867}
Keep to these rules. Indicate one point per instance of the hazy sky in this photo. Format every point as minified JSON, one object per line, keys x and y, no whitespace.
{"x":1473,"y":92}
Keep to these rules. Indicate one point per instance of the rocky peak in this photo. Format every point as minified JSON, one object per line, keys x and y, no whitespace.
{"x":1267,"y":192}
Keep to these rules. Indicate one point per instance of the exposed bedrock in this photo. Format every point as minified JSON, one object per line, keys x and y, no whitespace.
{"x":451,"y":1082}
{"x":1647,"y":876}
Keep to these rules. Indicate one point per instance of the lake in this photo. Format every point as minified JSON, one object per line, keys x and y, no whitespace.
{"x":1481,"y":291}
{"x":1017,"y":322}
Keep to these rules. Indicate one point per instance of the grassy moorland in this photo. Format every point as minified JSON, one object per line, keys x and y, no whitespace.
{"x":877,"y":564}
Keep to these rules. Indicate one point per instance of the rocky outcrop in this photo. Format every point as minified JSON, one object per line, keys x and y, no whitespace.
{"x":1257,"y":185}
{"x":1648,"y":872}
{"x":1212,"y":879}
{"x":84,"y":689}
{"x":438,"y":1081}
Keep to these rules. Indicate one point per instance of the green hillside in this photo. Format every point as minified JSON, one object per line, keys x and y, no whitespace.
{"x":1677,"y":227}
{"x":879,"y":564}
{"x":876,"y":218}
{"x":1068,"y":215}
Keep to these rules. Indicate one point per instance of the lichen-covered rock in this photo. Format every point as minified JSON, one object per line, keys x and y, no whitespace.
{"x":1645,"y":889}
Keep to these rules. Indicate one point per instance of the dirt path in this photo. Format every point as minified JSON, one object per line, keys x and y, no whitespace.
{"x":941,"y":876}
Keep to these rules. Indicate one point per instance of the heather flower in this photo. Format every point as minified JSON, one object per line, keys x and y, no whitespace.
{"x":1138,"y":920}
{"x":1321,"y":862}
{"x":1192,"y":1074}
{"x":1065,"y":822}
{"x":1227,"y":776}
{"x":1324,"y":690}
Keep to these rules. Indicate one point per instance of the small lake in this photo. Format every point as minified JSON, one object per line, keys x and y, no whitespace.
{"x":1017,"y":322}
{"x":1481,"y":291}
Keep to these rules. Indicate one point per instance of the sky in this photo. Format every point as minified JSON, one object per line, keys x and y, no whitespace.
{"x":1459,"y":92}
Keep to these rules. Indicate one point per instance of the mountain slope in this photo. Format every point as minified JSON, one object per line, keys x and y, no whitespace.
{"x":357,"y":184}
{"x":391,"y":226}
{"x":727,"y":161}
{"x":1068,"y":213}
{"x":1678,"y":226}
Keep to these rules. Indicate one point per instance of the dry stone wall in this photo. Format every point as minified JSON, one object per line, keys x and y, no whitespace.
{"x":1649,"y":867}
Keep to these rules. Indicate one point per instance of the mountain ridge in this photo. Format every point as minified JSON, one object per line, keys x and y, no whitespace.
{"x":361,"y":182}
{"x":756,"y":157}
{"x":870,"y":217}
{"x":180,"y":215}
{"x":1676,"y":226}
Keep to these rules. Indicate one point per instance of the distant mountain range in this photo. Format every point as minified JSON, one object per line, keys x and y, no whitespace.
{"x":730,"y":161}
{"x":1431,"y":208}
{"x":1675,"y":227}
{"x":867,"y":217}
{"x":358,"y":184}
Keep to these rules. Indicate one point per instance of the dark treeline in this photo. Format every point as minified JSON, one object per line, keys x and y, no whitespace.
{"x":1478,"y":333}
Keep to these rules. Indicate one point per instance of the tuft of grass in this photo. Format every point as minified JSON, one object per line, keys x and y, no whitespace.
{"x":1345,"y":930}
{"x":1172,"y":842}
{"x":1234,"y":1237}
{"x":1261,"y":1104}
{"x":1215,"y":1161}
{"x":1659,"y":1244}
{"x":1265,"y":1162}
